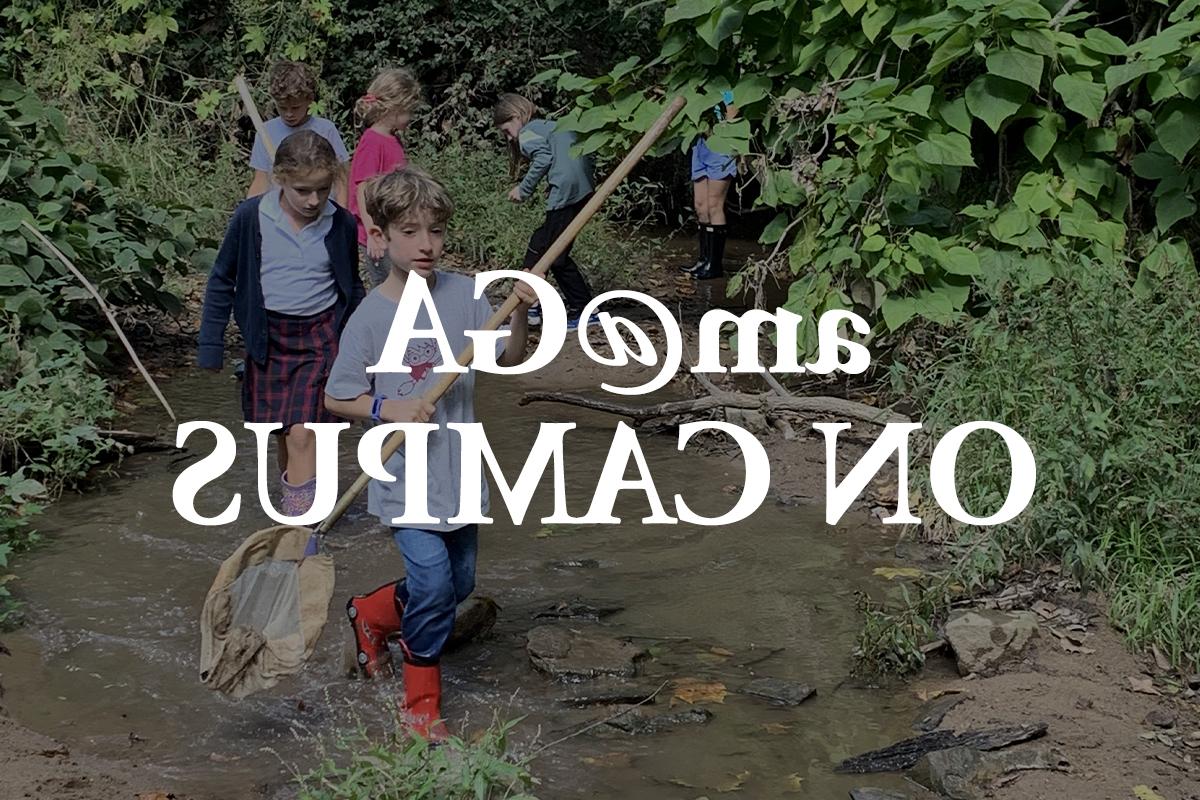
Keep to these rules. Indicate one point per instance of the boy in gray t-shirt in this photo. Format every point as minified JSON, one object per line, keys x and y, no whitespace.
{"x":410,"y":210}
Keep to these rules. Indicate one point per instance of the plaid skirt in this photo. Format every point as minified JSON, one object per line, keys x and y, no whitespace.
{"x":290,"y":387}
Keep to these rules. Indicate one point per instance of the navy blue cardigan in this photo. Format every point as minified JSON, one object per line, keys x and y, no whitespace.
{"x":235,"y":283}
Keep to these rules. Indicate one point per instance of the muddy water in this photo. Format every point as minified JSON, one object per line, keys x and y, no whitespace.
{"x":109,"y":661}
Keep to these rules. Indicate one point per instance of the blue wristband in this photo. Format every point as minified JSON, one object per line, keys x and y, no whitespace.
{"x":376,"y":407}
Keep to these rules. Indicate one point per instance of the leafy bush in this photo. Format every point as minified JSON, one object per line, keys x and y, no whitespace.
{"x":404,"y":768}
{"x":912,"y":148}
{"x":1097,"y":374}
{"x":52,"y":397}
{"x":489,"y":230}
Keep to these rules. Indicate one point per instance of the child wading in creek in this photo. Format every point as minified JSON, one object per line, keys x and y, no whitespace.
{"x":386,"y":109}
{"x":549,"y":154}
{"x":711,"y":175}
{"x":287,"y":269}
{"x":409,"y":211}
{"x":293,"y":90}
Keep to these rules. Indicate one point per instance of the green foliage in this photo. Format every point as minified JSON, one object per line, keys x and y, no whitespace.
{"x":54,"y":338}
{"x":914,"y":147}
{"x":490,"y":231}
{"x":408,"y":768}
{"x":1095,"y":371}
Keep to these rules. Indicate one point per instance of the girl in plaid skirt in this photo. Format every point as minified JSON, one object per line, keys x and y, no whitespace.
{"x":287,"y":270}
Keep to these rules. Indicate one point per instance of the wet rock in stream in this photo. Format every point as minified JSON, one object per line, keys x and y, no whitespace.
{"x":576,"y":563}
{"x":610,"y":695}
{"x":779,"y":692}
{"x":575,"y":655}
{"x":474,"y":619}
{"x":905,"y":754}
{"x":577,"y":609}
{"x":643,"y":721}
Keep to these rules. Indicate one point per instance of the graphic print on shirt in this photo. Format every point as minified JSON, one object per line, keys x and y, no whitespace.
{"x":421,"y":357}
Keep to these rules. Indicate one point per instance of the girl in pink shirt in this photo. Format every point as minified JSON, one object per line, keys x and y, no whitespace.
{"x":386,"y":109}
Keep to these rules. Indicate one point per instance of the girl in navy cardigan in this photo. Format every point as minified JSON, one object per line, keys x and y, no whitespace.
{"x":287,"y":269}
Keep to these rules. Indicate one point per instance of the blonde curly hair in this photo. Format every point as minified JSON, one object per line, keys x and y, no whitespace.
{"x":393,"y":89}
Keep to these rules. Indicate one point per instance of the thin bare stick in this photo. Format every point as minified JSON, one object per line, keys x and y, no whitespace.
{"x":775,"y":385}
{"x":107,"y":312}
{"x":598,"y":723}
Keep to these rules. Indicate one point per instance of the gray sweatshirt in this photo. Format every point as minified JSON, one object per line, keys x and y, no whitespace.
{"x":549,"y":154}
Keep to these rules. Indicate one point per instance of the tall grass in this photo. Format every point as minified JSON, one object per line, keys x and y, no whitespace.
{"x":1100,"y":378}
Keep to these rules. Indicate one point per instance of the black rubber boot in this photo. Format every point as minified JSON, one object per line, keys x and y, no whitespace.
{"x":714,"y":266}
{"x":703,"y":238}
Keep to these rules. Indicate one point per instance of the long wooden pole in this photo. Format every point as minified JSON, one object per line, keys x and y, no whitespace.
{"x":255,"y":117}
{"x":510,"y":305}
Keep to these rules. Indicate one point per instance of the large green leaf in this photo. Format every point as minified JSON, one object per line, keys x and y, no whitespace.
{"x":1041,"y":137}
{"x":914,"y":102}
{"x":954,"y":47}
{"x":954,"y":113}
{"x":994,"y":100}
{"x":958,"y":260}
{"x":874,"y":21}
{"x":1177,"y":127}
{"x":688,"y":9}
{"x":1120,"y":74}
{"x":1081,"y":95}
{"x":721,"y":26}
{"x":1154,"y":165}
{"x":947,"y":149}
{"x":1017,"y":65}
{"x":1172,"y":207}
{"x":1102,"y":41}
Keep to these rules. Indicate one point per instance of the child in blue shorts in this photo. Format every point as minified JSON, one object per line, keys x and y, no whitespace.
{"x":711,"y":175}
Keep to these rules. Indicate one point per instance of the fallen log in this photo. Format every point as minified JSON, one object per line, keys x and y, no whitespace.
{"x":768,"y":403}
{"x":904,"y":754}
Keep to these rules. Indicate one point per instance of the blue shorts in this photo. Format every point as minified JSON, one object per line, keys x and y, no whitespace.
{"x":707,"y":164}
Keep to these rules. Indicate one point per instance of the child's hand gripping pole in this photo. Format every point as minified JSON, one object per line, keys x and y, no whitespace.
{"x":255,"y":117}
{"x":510,"y":305}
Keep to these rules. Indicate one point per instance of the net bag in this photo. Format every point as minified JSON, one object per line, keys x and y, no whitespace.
{"x":264,"y":613}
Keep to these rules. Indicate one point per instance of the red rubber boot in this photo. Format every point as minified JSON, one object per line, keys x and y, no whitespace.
{"x":374,"y":617}
{"x":421,"y":710}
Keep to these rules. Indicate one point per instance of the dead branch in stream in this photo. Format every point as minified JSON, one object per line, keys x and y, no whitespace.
{"x":769,"y":404}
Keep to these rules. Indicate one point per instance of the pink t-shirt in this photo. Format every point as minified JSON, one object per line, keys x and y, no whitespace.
{"x":376,"y":154}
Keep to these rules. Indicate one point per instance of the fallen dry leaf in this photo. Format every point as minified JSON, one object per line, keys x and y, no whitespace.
{"x":1144,"y":792}
{"x":1160,"y":660}
{"x":794,"y":783}
{"x":734,"y":784}
{"x":694,"y":690}
{"x":156,"y":796}
{"x":609,"y":760}
{"x":925,"y":695}
{"x":776,"y":728}
{"x":721,"y":651}
{"x":1069,"y":647}
{"x":892,"y":573}
{"x":1143,"y":686}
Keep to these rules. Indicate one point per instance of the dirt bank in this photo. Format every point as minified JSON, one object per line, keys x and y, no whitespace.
{"x":35,"y":766}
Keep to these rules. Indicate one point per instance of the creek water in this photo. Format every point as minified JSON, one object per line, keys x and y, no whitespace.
{"x":108,"y":660}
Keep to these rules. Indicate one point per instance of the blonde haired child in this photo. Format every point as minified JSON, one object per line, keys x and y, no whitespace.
{"x":386,"y":109}
{"x":293,"y":89}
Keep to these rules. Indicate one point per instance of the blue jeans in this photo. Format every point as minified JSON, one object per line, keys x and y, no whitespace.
{"x":439,"y":574}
